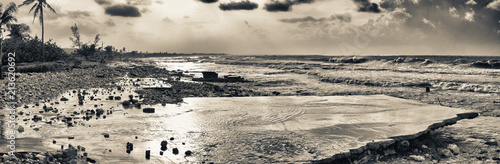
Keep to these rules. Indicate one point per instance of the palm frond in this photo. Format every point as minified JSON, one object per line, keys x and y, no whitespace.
{"x":50,"y":7}
{"x":36,"y":13}
{"x":8,"y":19}
{"x":26,"y":2}
{"x":35,"y":5}
{"x":9,"y":10}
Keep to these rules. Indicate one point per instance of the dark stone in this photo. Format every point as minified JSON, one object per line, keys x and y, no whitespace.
{"x":171,"y":138}
{"x":106,"y":135}
{"x":130,"y":146}
{"x":148,"y":154}
{"x":175,"y":151}
{"x":491,"y":143}
{"x":163,"y":145}
{"x":188,"y":153}
{"x":148,"y":110}
{"x":118,"y":98}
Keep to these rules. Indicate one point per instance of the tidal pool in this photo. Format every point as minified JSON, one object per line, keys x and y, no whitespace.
{"x":226,"y":129}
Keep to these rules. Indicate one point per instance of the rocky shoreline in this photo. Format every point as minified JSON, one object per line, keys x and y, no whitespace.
{"x":40,"y":87}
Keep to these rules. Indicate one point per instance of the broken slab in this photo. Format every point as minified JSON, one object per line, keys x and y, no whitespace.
{"x":333,"y":126}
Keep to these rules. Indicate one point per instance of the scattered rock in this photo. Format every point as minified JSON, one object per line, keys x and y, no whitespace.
{"x":106,"y":135}
{"x":163,"y":145}
{"x":445,"y":152}
{"x":148,"y":154}
{"x":175,"y":151}
{"x":390,"y":151}
{"x":454,"y":148}
{"x":148,"y":110}
{"x":491,"y":143}
{"x":20,"y":129}
{"x":188,"y":153}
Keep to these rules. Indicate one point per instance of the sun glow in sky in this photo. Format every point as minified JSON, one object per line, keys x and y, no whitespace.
{"x":329,"y":27}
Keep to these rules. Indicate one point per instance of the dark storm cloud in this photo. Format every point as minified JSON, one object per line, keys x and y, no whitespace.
{"x":275,"y":6}
{"x":278,"y":6}
{"x":459,"y":20}
{"x":367,"y":6}
{"x":303,"y":1}
{"x":241,"y":5}
{"x":338,"y":17}
{"x":123,"y":11}
{"x":208,"y":1}
{"x":104,"y":2}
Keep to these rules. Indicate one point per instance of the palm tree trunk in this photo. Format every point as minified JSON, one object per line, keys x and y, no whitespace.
{"x":1,"y":53}
{"x":43,"y":32}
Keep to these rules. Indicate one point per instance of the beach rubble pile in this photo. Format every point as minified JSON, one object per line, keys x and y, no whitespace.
{"x":69,"y":155}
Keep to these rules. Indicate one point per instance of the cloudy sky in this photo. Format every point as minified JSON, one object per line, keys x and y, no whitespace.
{"x":328,"y":27}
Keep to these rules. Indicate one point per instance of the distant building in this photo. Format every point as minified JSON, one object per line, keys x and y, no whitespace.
{"x":210,"y":75}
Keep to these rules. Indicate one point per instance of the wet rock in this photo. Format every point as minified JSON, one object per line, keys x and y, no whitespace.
{"x":454,"y":148}
{"x":163,"y":145}
{"x":20,"y":129}
{"x":446,"y":153}
{"x":148,"y":154}
{"x":390,"y":151}
{"x":99,"y":112}
{"x":148,"y":110}
{"x":130,"y":147}
{"x":126,"y":103}
{"x":188,"y":153}
{"x":491,"y":143}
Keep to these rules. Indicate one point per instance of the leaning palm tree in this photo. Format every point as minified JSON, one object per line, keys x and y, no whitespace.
{"x":6,"y":17}
{"x":38,"y":7}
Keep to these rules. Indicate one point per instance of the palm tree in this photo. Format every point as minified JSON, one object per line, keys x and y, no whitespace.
{"x":38,"y":7}
{"x":6,"y":17}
